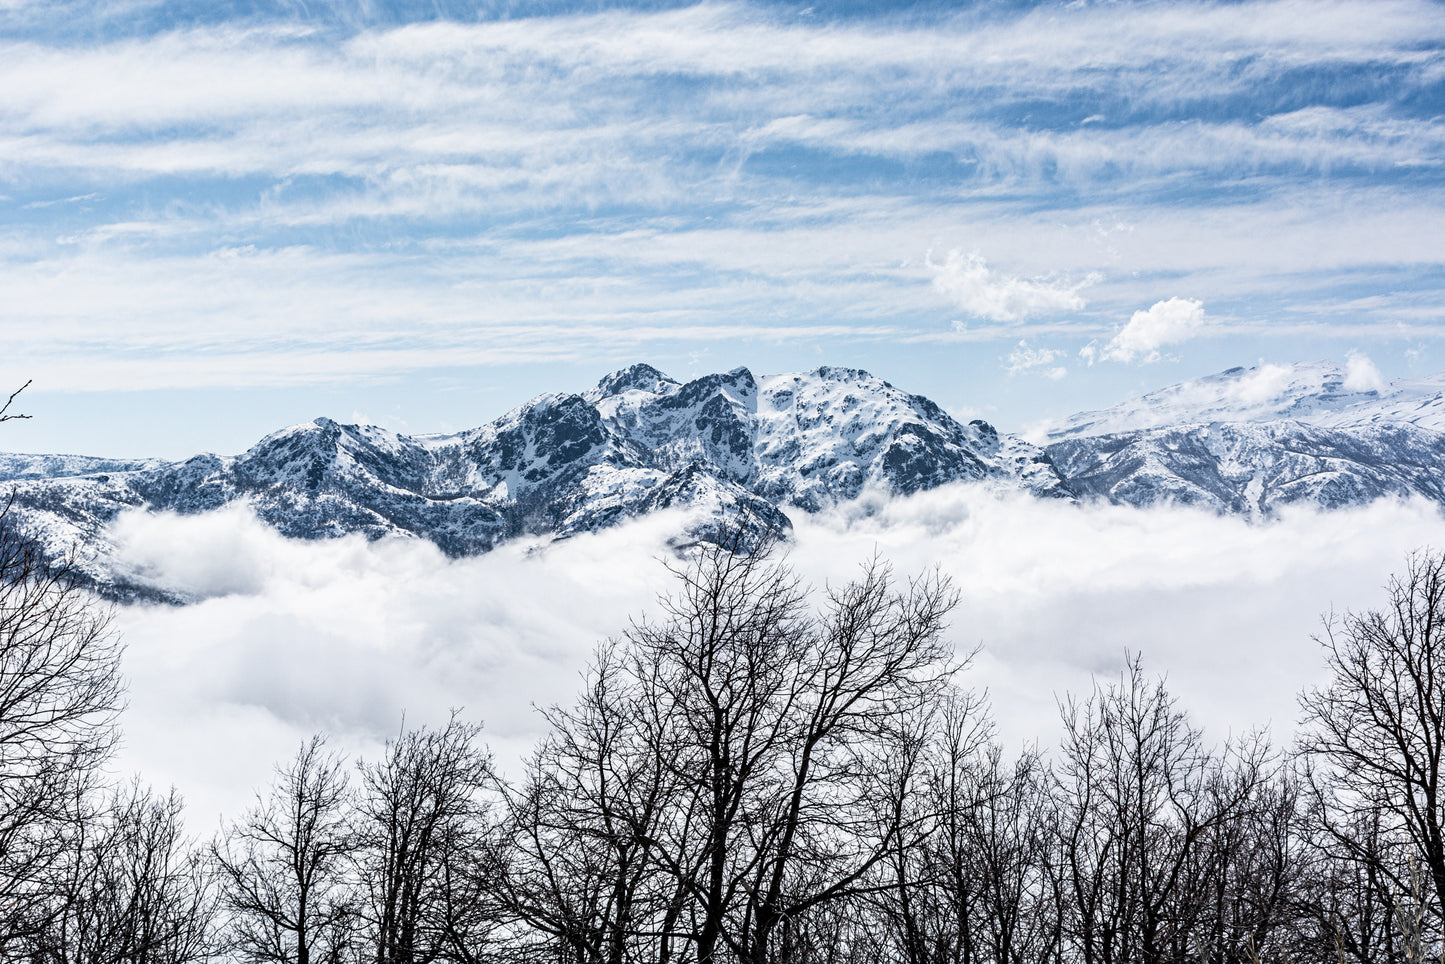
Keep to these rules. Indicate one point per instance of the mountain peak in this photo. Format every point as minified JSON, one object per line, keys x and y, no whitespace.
{"x":640,"y":377}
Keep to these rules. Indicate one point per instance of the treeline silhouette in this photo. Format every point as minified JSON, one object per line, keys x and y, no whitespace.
{"x":757,"y":772}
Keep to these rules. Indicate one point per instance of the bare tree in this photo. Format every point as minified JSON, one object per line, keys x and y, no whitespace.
{"x":1001,"y":836}
{"x":1346,"y":905}
{"x":1245,"y":893}
{"x":732,"y":774}
{"x":60,"y":693}
{"x":795,"y":731}
{"x":131,"y":888}
{"x":928,"y":911}
{"x":285,"y":866}
{"x":1138,"y":792}
{"x":597,"y":802}
{"x":424,"y":847}
{"x":1374,"y":738}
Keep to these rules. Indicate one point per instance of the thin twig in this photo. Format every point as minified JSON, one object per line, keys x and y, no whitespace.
{"x":6,"y":407}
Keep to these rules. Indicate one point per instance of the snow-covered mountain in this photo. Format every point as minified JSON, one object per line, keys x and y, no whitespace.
{"x":1316,"y":393}
{"x":1244,"y":441}
{"x":556,"y":466}
{"x":1253,"y":440}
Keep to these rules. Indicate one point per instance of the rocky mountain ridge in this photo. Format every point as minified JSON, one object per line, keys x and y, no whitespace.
{"x":561,"y":464}
{"x":1248,"y":441}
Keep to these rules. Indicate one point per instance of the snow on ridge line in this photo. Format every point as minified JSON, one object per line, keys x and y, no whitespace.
{"x":566,"y":463}
{"x":1314,"y":393}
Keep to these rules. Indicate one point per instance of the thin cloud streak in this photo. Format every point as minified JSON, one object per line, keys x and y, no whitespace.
{"x":536,"y":93}
{"x":862,"y":273}
{"x":1042,"y":51}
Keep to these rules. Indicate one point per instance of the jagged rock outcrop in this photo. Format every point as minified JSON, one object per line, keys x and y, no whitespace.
{"x":731,"y":445}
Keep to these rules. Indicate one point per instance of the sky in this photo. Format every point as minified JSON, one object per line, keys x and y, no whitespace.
{"x":220,"y":218}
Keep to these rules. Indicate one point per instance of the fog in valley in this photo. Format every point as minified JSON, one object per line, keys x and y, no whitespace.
{"x":290,"y":637}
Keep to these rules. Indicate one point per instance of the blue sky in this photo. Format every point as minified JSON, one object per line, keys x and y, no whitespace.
{"x":219,"y":218}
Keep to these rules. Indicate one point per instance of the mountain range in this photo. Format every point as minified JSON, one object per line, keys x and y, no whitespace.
{"x":1244,"y":441}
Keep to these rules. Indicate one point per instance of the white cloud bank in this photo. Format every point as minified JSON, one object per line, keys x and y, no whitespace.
{"x":346,"y":636}
{"x":980,"y":290}
{"x":1164,"y":323}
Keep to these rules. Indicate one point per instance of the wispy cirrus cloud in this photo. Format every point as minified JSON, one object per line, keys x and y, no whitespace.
{"x":385,"y":192}
{"x":1026,"y":359}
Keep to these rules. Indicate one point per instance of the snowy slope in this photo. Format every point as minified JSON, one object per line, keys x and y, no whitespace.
{"x":1253,"y":440}
{"x":59,"y":466}
{"x":1244,"y":441}
{"x":809,"y":439}
{"x":1316,"y":393}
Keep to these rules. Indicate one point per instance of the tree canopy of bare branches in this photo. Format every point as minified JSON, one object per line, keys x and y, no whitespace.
{"x":60,"y":693}
{"x":423,"y":851}
{"x":759,"y":772}
{"x":132,"y":888}
{"x":1373,"y":739}
{"x":285,"y":867}
{"x":729,"y":770}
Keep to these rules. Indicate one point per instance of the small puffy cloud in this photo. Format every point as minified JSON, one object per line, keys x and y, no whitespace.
{"x":1361,"y":375}
{"x":980,"y":290}
{"x":1262,"y":385}
{"x":1165,"y":323}
{"x":1025,"y":359}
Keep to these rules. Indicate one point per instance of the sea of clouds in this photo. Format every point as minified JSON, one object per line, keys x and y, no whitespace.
{"x":288,"y":637}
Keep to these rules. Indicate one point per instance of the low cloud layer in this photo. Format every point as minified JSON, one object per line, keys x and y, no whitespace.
{"x":348,"y":636}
